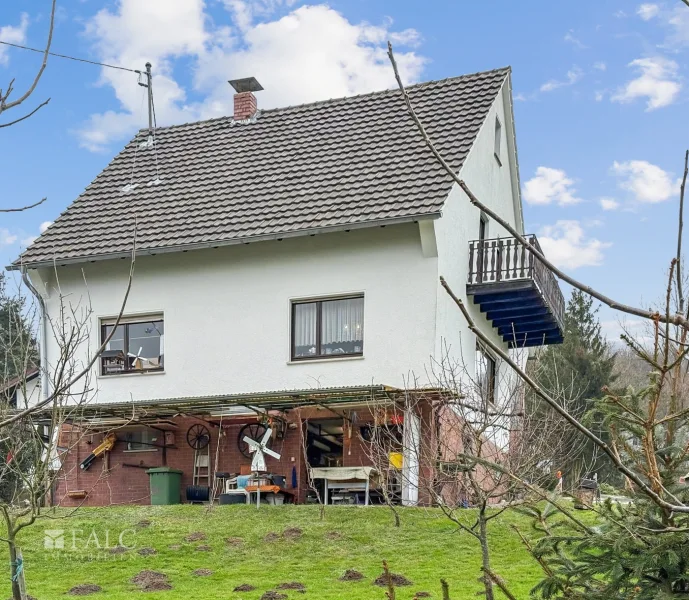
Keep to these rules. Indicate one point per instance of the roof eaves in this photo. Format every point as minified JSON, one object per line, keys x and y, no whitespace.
{"x":19,"y":264}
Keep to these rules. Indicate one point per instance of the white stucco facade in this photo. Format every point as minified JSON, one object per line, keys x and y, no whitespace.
{"x":227,"y":313}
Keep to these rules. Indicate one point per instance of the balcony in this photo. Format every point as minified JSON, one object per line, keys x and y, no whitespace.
{"x":516,"y":292}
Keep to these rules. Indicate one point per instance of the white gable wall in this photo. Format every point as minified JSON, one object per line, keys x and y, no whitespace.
{"x":227,"y":311}
{"x":497,"y":187}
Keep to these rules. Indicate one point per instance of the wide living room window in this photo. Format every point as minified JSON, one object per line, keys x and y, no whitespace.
{"x":135,"y":347}
{"x":328,"y":328}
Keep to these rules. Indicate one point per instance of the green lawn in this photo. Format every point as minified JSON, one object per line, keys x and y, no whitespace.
{"x":426,"y":548}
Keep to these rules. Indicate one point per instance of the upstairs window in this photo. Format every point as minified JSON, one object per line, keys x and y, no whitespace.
{"x":498,"y":140}
{"x":485,"y":376}
{"x":328,"y":328}
{"x":135,"y":347}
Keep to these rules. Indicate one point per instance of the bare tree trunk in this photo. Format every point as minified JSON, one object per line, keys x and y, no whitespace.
{"x":485,"y":552}
{"x":16,"y":589}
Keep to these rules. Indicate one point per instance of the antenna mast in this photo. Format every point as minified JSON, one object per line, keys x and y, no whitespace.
{"x":148,"y":84}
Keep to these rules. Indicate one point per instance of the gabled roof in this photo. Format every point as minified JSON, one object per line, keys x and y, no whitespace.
{"x":344,"y":163}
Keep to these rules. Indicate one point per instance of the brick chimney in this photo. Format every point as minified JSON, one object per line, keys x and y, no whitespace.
{"x":245,"y":104}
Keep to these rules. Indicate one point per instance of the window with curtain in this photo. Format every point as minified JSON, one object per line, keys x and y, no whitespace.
{"x":328,"y":328}
{"x":485,"y":375}
{"x":136,"y":346}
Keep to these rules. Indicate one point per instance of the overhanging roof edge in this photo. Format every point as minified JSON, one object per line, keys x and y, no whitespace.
{"x":283,"y":399}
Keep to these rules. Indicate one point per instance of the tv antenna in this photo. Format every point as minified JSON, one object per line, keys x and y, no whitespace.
{"x":146,"y":80}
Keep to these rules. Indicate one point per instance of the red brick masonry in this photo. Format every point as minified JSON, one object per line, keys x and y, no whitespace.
{"x":109,"y":482}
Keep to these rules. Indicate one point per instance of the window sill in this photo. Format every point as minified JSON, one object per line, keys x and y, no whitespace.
{"x":130,"y":374}
{"x":136,"y":451}
{"x":310,"y":361}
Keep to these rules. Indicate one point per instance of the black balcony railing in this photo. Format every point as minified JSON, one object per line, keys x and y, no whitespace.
{"x":507,"y":260}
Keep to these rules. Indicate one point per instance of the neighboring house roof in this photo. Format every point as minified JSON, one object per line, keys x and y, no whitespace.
{"x":344,"y":163}
{"x":8,"y":389}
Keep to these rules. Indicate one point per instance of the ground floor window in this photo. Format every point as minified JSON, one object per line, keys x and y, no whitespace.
{"x":485,"y":375}
{"x":140,"y":439}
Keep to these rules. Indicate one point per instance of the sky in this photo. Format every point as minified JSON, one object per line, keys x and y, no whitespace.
{"x":600,"y":96}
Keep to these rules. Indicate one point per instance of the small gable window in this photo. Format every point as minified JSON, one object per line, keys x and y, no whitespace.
{"x":498,"y":140}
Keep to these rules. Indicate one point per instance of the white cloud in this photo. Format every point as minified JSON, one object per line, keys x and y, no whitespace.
{"x":600,"y":66}
{"x":550,"y":186}
{"x":567,"y":245}
{"x":612,"y":329}
{"x":647,"y":182}
{"x":599,"y":96}
{"x":7,"y":238}
{"x":678,"y":21}
{"x":658,"y":81}
{"x":648,"y":11}
{"x":609,"y":203}
{"x":573,"y":76}
{"x":312,"y":53}
{"x":27,"y":241}
{"x":14,"y":35}
{"x":43,"y":226}
{"x":575,"y":41}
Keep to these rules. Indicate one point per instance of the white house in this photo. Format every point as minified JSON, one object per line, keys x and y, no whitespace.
{"x":289,"y":259}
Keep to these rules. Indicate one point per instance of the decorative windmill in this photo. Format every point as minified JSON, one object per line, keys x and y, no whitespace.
{"x":138,"y":359}
{"x":259,"y":450}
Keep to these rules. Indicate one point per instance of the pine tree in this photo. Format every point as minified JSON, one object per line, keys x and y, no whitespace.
{"x":637,"y":549}
{"x":18,"y":354}
{"x":18,"y":351}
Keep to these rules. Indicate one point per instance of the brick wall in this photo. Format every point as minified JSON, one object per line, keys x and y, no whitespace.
{"x":108,"y":481}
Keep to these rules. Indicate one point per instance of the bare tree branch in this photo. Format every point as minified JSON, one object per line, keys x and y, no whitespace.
{"x":20,"y":119}
{"x":677,"y":319}
{"x":23,"y":208}
{"x":4,"y":105}
{"x":680,"y":226}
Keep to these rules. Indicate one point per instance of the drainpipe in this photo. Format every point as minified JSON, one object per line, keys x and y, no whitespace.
{"x":43,"y":359}
{"x":42,"y":332}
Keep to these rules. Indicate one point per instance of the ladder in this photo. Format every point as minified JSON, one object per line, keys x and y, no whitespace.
{"x":202,"y":468}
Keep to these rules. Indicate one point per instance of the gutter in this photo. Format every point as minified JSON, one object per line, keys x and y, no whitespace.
{"x":231,"y":242}
{"x":43,"y":338}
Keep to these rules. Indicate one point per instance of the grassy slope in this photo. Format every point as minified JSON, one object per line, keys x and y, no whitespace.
{"x":426,"y":548}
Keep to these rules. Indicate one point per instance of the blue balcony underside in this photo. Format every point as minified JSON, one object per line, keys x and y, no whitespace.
{"x":519,"y":311}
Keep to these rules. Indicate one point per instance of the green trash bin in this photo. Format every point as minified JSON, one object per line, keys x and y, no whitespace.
{"x":166,"y":485}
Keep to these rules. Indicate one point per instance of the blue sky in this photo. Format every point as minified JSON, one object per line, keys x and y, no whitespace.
{"x":600,"y":100}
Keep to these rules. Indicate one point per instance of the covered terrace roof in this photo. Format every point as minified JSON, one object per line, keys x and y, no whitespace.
{"x":226,"y":405}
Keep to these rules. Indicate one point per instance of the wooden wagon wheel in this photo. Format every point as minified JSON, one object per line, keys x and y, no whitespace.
{"x":198,"y":436}
{"x":254,"y":431}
